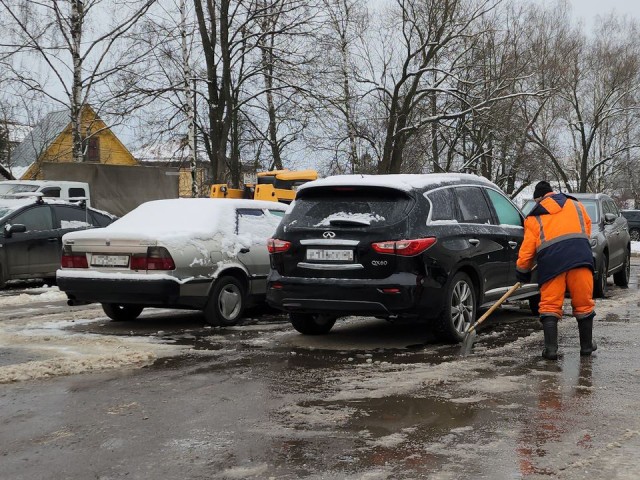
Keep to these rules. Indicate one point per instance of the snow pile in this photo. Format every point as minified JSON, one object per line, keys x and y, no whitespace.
{"x":56,"y":351}
{"x":50,"y":295}
{"x":635,"y":247}
{"x":70,"y":366}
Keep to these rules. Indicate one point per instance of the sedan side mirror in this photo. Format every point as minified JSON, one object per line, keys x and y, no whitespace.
{"x":9,"y":229}
{"x":609,"y":218}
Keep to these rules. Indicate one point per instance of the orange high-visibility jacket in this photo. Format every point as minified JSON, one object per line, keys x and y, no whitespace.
{"x":556,"y":235}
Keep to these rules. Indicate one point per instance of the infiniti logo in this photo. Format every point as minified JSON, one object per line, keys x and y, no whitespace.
{"x":328,"y":234}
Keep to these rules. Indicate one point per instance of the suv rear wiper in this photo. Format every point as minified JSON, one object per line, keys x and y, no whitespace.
{"x":349,"y":221}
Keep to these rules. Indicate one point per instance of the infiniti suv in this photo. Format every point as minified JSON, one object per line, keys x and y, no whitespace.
{"x":436,"y":247}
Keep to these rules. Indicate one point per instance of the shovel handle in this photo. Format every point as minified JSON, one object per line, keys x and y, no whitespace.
{"x":507,"y":294}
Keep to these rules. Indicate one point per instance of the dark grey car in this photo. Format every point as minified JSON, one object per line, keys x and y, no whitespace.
{"x":610,"y":240}
{"x":633,"y":219}
{"x":31,"y":231}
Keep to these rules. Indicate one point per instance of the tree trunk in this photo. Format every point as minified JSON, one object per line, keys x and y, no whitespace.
{"x":76,"y":88}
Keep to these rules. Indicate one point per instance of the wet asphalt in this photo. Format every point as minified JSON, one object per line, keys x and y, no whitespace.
{"x":371,"y":400}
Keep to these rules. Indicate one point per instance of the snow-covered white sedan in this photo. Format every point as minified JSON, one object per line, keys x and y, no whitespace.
{"x":200,"y":253}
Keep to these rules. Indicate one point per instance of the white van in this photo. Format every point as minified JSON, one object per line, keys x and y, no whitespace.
{"x":70,"y":191}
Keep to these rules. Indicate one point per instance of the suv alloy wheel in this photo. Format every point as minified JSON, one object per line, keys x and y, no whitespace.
{"x":452,"y":324}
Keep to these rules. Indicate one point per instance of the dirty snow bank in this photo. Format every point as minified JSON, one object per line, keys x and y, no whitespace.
{"x":52,"y":294}
{"x":56,"y":351}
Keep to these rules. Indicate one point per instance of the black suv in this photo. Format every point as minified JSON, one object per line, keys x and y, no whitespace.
{"x":31,"y":231}
{"x":610,"y":242}
{"x":633,"y":219}
{"x":437,"y":247}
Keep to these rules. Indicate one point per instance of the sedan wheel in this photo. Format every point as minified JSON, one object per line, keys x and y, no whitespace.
{"x":122,"y":313}
{"x":460,"y":310}
{"x":312,"y":324}
{"x":226,"y":302}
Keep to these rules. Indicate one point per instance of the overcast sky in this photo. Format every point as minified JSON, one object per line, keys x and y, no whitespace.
{"x":588,"y":9}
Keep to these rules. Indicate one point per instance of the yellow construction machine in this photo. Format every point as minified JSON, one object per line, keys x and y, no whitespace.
{"x":275,"y":185}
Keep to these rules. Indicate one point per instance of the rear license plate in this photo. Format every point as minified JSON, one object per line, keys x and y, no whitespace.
{"x":322,"y":254}
{"x":110,"y":260}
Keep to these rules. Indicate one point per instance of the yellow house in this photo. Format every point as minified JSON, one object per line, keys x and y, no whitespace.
{"x":51,"y":140}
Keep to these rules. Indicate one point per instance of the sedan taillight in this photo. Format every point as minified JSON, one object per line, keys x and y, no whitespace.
{"x":156,"y":258}
{"x":405,"y":248}
{"x":275,"y":245}
{"x":73,"y":260}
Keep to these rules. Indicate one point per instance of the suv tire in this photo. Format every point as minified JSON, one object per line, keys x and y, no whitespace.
{"x":312,"y":324}
{"x":634,"y":233}
{"x":621,"y":277}
{"x":122,"y":313}
{"x":459,"y":310}
{"x":600,"y":281}
{"x":226,"y":302}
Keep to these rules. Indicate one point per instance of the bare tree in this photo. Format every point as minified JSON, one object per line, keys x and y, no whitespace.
{"x":74,"y":47}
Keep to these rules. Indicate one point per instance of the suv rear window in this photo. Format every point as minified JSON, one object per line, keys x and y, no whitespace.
{"x":349,"y":207}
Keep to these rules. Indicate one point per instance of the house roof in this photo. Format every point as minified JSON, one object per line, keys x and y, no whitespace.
{"x":174,"y":150}
{"x":171,"y":152}
{"x":39,"y":139}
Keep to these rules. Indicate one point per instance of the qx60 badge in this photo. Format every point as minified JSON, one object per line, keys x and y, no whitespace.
{"x":329,"y":234}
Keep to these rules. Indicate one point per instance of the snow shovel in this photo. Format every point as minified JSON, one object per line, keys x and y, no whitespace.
{"x":470,"y":334}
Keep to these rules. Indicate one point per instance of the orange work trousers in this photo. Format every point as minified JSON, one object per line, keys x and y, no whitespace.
{"x":579,"y":282}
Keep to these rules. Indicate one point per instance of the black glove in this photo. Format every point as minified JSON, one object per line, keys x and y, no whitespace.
{"x":523,"y":277}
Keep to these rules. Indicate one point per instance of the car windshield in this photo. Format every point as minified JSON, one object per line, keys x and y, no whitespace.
{"x":592,"y":209}
{"x":589,"y":204}
{"x":12,"y":188}
{"x":348,"y":207}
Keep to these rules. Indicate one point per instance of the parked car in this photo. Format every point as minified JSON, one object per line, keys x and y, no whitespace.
{"x":49,"y":188}
{"x":633,"y":220}
{"x":610,"y":240}
{"x":436,"y":247}
{"x":31,"y":234}
{"x":205,"y":254}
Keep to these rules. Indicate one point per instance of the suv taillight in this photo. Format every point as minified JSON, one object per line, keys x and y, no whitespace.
{"x":406,"y":248}
{"x":73,"y":260}
{"x":275,"y":245}
{"x":156,"y":258}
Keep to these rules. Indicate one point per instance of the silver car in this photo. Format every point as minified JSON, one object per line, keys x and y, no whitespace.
{"x":205,"y":254}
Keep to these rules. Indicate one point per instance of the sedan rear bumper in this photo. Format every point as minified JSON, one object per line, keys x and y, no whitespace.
{"x":154,"y":292}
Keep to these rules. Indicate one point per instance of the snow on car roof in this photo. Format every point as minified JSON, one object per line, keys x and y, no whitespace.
{"x":404,"y":182}
{"x":179,"y":217}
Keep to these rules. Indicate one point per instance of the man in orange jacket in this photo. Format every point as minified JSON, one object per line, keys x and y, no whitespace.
{"x":556,"y":237}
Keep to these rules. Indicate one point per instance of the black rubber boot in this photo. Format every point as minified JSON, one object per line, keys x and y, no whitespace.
{"x":585,"y":327}
{"x":550,"y":328}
